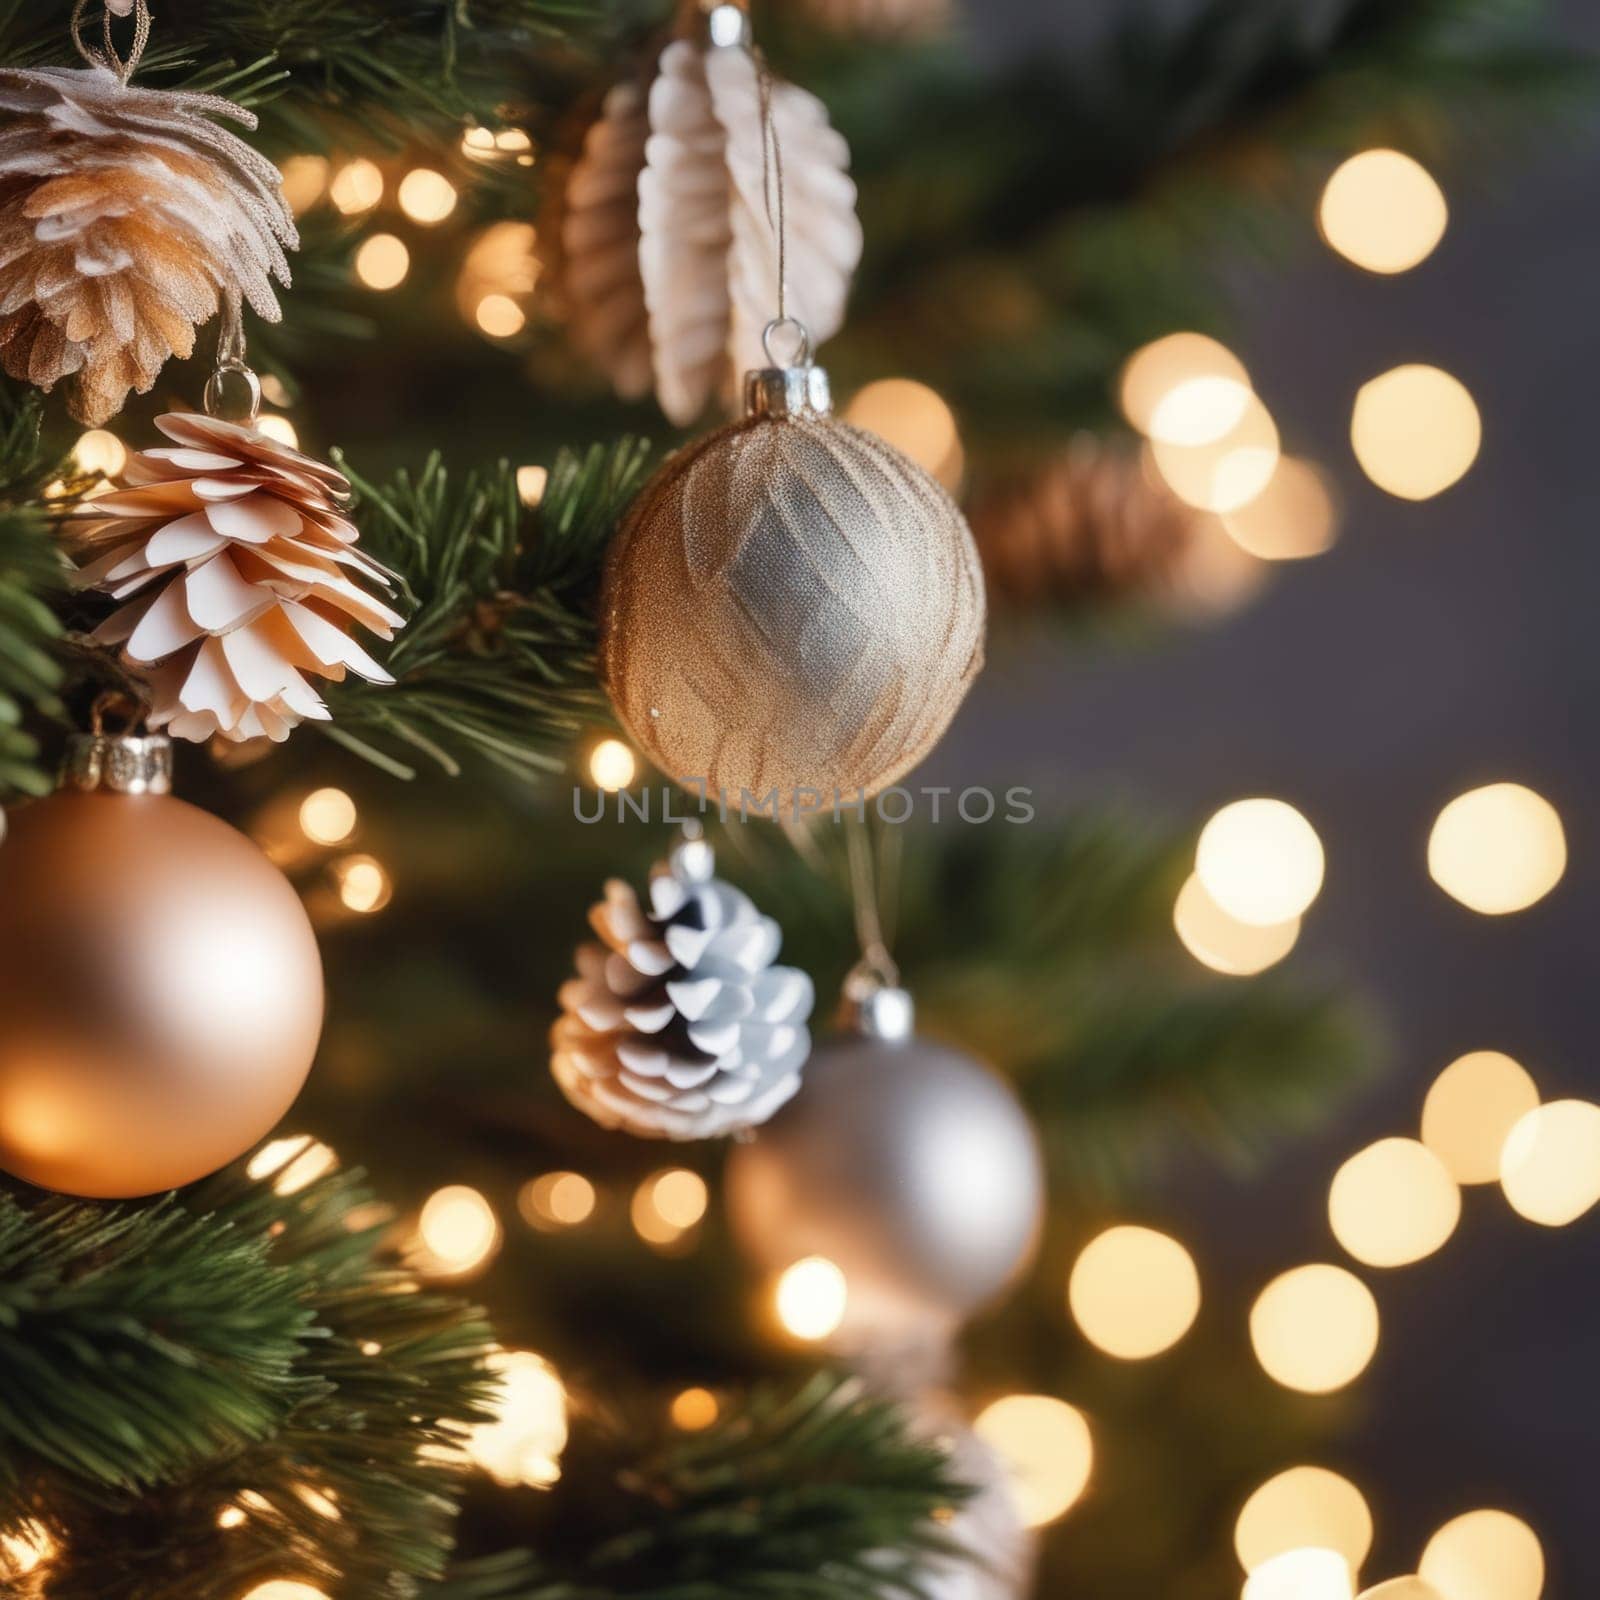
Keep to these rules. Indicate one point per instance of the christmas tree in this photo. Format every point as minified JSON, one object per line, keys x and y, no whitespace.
{"x":243,"y":1355}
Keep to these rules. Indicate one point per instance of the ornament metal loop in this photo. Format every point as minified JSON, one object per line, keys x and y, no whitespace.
{"x":726,"y":23}
{"x":123,"y":763}
{"x":874,"y":1004}
{"x":122,"y":66}
{"x":216,"y":399}
{"x":801,"y":356}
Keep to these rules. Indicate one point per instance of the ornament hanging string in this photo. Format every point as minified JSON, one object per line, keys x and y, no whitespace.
{"x":109,"y":57}
{"x":231,"y":364}
{"x":772,"y":193}
{"x":872,"y":892}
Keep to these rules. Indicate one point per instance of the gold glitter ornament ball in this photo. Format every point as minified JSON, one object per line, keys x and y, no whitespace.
{"x":160,"y":992}
{"x":792,"y":607}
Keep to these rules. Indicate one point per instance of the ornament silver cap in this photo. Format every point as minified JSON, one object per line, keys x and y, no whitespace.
{"x":877,"y":1010}
{"x":726,"y":24}
{"x":123,"y":763}
{"x":792,"y":388}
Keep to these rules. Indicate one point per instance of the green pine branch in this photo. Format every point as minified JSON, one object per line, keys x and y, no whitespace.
{"x":496,"y":663}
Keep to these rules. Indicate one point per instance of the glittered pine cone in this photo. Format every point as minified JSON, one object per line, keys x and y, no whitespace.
{"x":127,"y":215}
{"x":678,"y":1025}
{"x":238,"y":566}
{"x":1088,"y":525}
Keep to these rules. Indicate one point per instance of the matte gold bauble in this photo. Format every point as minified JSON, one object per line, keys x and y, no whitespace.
{"x":160,"y":985}
{"x":792,"y":605}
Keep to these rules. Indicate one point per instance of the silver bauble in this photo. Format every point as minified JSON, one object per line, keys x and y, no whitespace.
{"x":792,"y":607}
{"x":909,"y":1165}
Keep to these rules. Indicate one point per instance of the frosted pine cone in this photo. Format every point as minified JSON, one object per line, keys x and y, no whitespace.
{"x":236,"y":560}
{"x":127,"y":216}
{"x":678,"y":1026}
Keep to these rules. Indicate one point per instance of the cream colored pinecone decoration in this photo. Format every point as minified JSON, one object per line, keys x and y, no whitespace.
{"x":678,"y":1025}
{"x":127,"y":217}
{"x":238,"y":567}
{"x":1088,"y":525}
{"x":669,"y":244}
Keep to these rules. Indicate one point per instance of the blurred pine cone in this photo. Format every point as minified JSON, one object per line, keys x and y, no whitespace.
{"x":1085,"y":527}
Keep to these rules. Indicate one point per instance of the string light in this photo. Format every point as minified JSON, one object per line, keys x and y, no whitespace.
{"x":1484,"y":1555}
{"x":279,"y":428}
{"x":1393,"y":1203}
{"x":915,"y":419}
{"x":327,"y":816}
{"x":1200,"y":411}
{"x":1260,"y":861}
{"x":363,"y":884}
{"x":1158,"y":368}
{"x":231,"y":1517}
{"x":24,"y":1549}
{"x":478,"y":142}
{"x":457,"y":1231}
{"x":1410,"y":1588}
{"x":811,"y":1299}
{"x":1291,"y":519}
{"x":667,"y":1205}
{"x":1470,"y":1111}
{"x":524,"y":1442}
{"x":100,"y":452}
{"x":1046,"y":1449}
{"x":305,"y":178}
{"x":383,"y":261}
{"x":426,"y":196}
{"x":1134,"y":1292}
{"x":1223,"y":943}
{"x":695,"y":1410}
{"x":322,"y":1501}
{"x":531,"y":484}
{"x":1498,"y":849}
{"x":296,"y":1161}
{"x":357,"y":186}
{"x":1415,"y":431}
{"x":1225,"y":473}
{"x":612,"y":765}
{"x":285,"y":1589}
{"x":1314,"y":1328}
{"x":1550,"y":1167}
{"x":557,"y":1200}
{"x":1304,"y":1507}
{"x":499,"y":316}
{"x":1309,"y":1574}
{"x":1383,"y":211}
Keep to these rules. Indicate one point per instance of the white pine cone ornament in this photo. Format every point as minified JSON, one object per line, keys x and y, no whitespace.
{"x":239,"y":569}
{"x":127,"y":216}
{"x":678,"y":1025}
{"x":668,"y":240}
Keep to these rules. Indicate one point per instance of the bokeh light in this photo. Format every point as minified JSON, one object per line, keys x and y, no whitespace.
{"x":305,"y":180}
{"x":327,"y":816}
{"x":285,"y":1589}
{"x":1498,"y":849}
{"x":1314,"y":1328}
{"x":695,"y":1410}
{"x":531,"y":484}
{"x":667,"y":1205}
{"x":426,"y":196}
{"x":1383,"y":211}
{"x":1046,"y":1449}
{"x":612,"y":765}
{"x":523,"y":1444}
{"x":457,"y":1230}
{"x":363,"y":884}
{"x":1550,"y":1166}
{"x":497,"y":276}
{"x":1134,"y":1292}
{"x":1155,"y":371}
{"x":1304,"y":1507}
{"x":1260,"y":861}
{"x":916,"y":420}
{"x":557,"y":1200}
{"x":1200,"y":410}
{"x":1393,"y":1203}
{"x":1470,"y":1111}
{"x":1291,"y":519}
{"x":25,"y":1548}
{"x":811,"y":1298}
{"x":293,"y":1163}
{"x":357,"y":186}
{"x":1224,"y":943}
{"x":499,"y":316}
{"x":383,"y":261}
{"x":1409,"y":1588}
{"x":99,"y":451}
{"x":1225,"y":473}
{"x":279,"y":428}
{"x":1484,"y":1555}
{"x":1415,"y":431}
{"x":1309,"y":1574}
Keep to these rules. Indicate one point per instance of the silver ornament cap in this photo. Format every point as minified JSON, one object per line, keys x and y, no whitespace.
{"x":122,"y":763}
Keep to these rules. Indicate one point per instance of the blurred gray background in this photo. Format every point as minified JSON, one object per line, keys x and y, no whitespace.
{"x":1436,"y":647}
